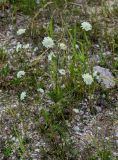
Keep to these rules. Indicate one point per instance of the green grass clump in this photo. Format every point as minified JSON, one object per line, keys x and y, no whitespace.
{"x":3,"y":55}
{"x":7,"y":151}
{"x":25,"y":6}
{"x":58,"y":80}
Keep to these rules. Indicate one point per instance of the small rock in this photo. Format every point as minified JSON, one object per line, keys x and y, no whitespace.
{"x":105,"y":77}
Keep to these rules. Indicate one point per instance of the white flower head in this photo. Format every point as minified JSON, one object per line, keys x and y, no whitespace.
{"x":95,"y":74}
{"x":37,"y":1}
{"x":40,"y":90}
{"x":77,"y":46}
{"x":76,"y":129}
{"x":18,"y":47}
{"x":88,"y":79}
{"x":51,"y":55}
{"x":22,"y":95}
{"x":20,"y":74}
{"x":35,"y":49}
{"x":76,"y":110}
{"x":62,"y":72}
{"x":26,"y":46}
{"x":48,"y":42}
{"x":21,"y":31}
{"x":86,"y":26}
{"x":62,"y":46}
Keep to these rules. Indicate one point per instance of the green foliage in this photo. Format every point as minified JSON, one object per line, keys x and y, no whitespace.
{"x":103,"y":155}
{"x":7,"y":151}
{"x":25,"y":6}
{"x":116,"y":42}
{"x":60,"y":3}
{"x":3,"y":55}
{"x":55,"y":130}
{"x":64,"y":91}
{"x":56,"y":94}
{"x":51,"y":28}
{"x":5,"y":70}
{"x":3,"y":1}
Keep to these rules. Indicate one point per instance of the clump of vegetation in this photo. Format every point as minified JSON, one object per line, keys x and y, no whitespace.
{"x":63,"y":75}
{"x":3,"y":55}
